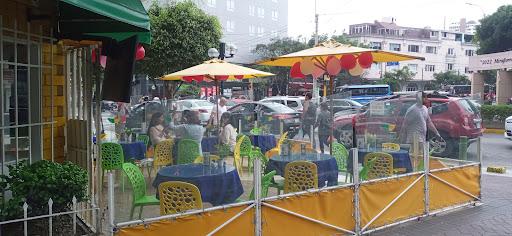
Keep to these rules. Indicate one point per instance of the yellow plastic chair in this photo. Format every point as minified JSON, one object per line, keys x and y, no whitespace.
{"x":383,"y":166}
{"x":297,"y":144}
{"x":163,"y":154}
{"x":392,"y":147}
{"x":299,"y":176}
{"x":213,"y":158}
{"x":238,"y":162}
{"x":103,"y":137}
{"x":177,"y":197}
{"x":272,"y":152}
{"x":118,"y":136}
{"x":280,"y":141}
{"x":311,"y":150}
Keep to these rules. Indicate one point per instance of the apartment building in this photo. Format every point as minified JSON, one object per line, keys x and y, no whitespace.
{"x":463,"y":26}
{"x":443,"y":50}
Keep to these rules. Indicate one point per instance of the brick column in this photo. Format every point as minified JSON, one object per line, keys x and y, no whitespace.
{"x":477,"y":85}
{"x":503,"y":86}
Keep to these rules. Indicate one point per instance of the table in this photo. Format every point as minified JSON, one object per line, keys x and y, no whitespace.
{"x":326,"y":165}
{"x":218,"y":185}
{"x":131,"y":150}
{"x":401,"y":158}
{"x":265,"y":142}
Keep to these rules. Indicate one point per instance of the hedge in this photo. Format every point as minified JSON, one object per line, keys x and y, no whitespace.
{"x":496,"y":112}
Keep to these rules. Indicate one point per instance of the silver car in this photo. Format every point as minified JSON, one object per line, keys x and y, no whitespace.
{"x":203,"y":107}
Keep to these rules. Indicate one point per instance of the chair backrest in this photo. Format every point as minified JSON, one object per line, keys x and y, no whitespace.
{"x":255,"y":131}
{"x":297,"y":145}
{"x":340,"y":153}
{"x":213,"y":158}
{"x":238,"y":162}
{"x":177,"y":197}
{"x":363,"y":175}
{"x":143,"y":138}
{"x":383,"y":166}
{"x":265,"y":183}
{"x":280,"y":141}
{"x":163,"y":152}
{"x":188,"y":151}
{"x":239,"y":136}
{"x":272,"y":152}
{"x":311,"y":150}
{"x":245,"y":146}
{"x":111,"y":156}
{"x":299,"y":176}
{"x":391,"y":146}
{"x":257,"y":154}
{"x":137,"y":179}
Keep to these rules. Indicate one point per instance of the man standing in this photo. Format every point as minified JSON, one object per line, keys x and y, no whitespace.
{"x":221,"y":108}
{"x":308,"y":116}
{"x":324,"y":125}
{"x":121,"y":115}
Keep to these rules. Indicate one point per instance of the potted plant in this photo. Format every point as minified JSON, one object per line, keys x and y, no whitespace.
{"x":223,"y":150}
{"x":264,"y":130}
{"x":128,"y":133}
{"x":371,"y":140}
{"x":288,"y":144}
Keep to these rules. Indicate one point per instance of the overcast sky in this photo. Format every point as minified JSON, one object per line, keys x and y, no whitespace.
{"x":339,"y":14}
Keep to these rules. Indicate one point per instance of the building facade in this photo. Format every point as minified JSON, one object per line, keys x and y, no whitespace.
{"x":443,"y":50}
{"x":463,"y":26}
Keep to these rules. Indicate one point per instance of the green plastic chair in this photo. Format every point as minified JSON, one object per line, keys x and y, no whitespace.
{"x":239,"y":136}
{"x":340,"y":153}
{"x":255,"y":131}
{"x":144,"y":138}
{"x":245,"y":148}
{"x":265,"y":183}
{"x":139,"y":189}
{"x":363,"y":174}
{"x":188,"y":151}
{"x":111,"y":158}
{"x":255,"y":154}
{"x":422,"y":164}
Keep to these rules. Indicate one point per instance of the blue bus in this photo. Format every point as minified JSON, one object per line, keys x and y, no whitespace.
{"x":365,"y":93}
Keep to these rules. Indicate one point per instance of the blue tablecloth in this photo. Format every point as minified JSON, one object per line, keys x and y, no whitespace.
{"x":401,"y":158}
{"x":135,"y":150}
{"x":265,"y":142}
{"x":326,"y":165}
{"x":218,"y":185}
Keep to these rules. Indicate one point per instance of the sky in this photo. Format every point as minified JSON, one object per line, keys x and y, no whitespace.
{"x":336,"y":15}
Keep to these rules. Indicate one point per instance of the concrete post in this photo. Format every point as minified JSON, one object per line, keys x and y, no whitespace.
{"x":503,"y":86}
{"x":477,"y":85}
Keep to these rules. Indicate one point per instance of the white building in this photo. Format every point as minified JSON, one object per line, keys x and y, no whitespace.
{"x":442,"y":50}
{"x":246,"y":23}
{"x":467,"y":27}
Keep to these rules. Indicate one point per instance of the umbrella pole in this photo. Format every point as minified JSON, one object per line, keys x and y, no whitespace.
{"x":331,"y":84}
{"x":218,"y":101}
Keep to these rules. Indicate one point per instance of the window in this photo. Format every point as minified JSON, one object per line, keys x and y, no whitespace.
{"x":411,"y":87}
{"x":431,"y":49}
{"x":429,"y":87}
{"x":261,"y":12}
{"x":252,"y":10}
{"x":394,"y":47}
{"x":375,"y":66}
{"x":470,"y":53}
{"x":212,"y":3}
{"x":467,"y":71}
{"x":405,"y":106}
{"x":261,"y":31}
{"x":450,"y":51}
{"x":293,"y":104}
{"x":274,"y":15}
{"x":430,"y":68}
{"x":414,"y":48}
{"x":231,"y":5}
{"x":438,"y":107}
{"x":375,"y":45}
{"x":445,"y":34}
{"x":252,"y":30}
{"x":434,"y":33}
{"x":274,"y":33}
{"x":230,"y":26}
{"x":413,"y":67}
{"x":449,"y":66}
{"x":389,"y":109}
{"x":393,"y":67}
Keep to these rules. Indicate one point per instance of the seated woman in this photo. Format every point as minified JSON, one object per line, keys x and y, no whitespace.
{"x":227,"y":133}
{"x":191,"y":130}
{"x":157,"y":132}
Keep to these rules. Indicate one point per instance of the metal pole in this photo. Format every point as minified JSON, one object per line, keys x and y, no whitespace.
{"x":111,"y":211}
{"x":426,"y":167}
{"x":257,"y":196}
{"x":331,"y":85}
{"x":355,"y":177}
{"x":479,"y":156}
{"x":98,"y":142}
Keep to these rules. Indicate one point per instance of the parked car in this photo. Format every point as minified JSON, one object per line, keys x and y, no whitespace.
{"x":108,"y":106}
{"x":142,"y":113}
{"x":453,"y":117}
{"x":269,"y":114}
{"x":234,"y":102}
{"x":294,"y":102}
{"x":342,"y":105}
{"x":508,"y":128}
{"x":203,"y":107}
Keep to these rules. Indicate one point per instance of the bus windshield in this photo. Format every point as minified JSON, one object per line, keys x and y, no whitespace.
{"x":365,"y":93}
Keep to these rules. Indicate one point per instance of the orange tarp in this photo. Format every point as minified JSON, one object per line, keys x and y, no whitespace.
{"x":443,"y":195}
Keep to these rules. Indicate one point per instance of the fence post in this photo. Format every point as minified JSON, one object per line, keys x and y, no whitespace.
{"x":25,"y":207}
{"x":110,"y":198}
{"x":426,"y":168}
{"x":479,"y":156}
{"x":74,"y":215}
{"x":355,"y":177}
{"x":257,"y":196}
{"x":50,"y":220}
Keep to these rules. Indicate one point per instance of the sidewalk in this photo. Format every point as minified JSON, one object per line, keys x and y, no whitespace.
{"x":494,"y":217}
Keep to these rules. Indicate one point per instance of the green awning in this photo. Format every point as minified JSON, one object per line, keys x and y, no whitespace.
{"x":117,"y":19}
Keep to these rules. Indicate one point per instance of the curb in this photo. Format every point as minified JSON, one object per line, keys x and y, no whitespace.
{"x":494,"y":131}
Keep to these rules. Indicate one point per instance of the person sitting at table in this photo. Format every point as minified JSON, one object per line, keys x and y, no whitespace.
{"x":191,"y":130}
{"x":157,"y":131}
{"x":227,"y":133}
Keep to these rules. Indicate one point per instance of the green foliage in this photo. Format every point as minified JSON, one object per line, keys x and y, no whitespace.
{"x":190,"y":90}
{"x":494,"y":33}
{"x":338,"y":38}
{"x":289,"y":143}
{"x":397,"y":78}
{"x":223,"y":150}
{"x":496,"y":112}
{"x":36,"y":183}
{"x":449,"y":78}
{"x":181,"y":36}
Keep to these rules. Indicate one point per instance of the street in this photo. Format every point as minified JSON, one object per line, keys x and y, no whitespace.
{"x":496,"y":151}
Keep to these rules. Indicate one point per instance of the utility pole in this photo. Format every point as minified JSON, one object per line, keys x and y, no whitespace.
{"x":315,"y":86}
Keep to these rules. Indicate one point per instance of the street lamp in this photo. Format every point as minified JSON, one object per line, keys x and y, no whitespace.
{"x":471,"y":4}
{"x":231,"y":49}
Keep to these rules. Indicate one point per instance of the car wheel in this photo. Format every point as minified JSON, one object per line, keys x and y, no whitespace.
{"x":345,"y":136}
{"x":444,"y":147}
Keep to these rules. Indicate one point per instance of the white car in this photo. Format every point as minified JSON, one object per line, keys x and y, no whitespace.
{"x":203,"y":107}
{"x":293,"y":102}
{"x":508,"y":128}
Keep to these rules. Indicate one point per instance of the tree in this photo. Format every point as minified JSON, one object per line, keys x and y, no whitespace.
{"x":397,"y":78}
{"x":449,"y":78}
{"x":338,"y":38}
{"x":181,"y":36}
{"x":190,"y":90}
{"x":494,"y":33}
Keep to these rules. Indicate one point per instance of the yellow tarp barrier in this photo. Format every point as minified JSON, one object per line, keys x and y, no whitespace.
{"x":194,"y":225}
{"x":376,"y":196}
{"x":335,"y":208}
{"x":443,"y":195}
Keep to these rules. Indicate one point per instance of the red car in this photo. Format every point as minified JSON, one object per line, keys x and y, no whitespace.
{"x":453,"y":117}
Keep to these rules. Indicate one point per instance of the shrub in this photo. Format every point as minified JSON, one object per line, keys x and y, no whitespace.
{"x":496,"y":112}
{"x":36,"y":183}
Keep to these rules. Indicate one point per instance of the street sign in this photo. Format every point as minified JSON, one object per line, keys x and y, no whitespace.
{"x":392,"y":63}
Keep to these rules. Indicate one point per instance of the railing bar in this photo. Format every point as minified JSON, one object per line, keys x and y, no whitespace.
{"x":392,"y":224}
{"x":230,"y":220}
{"x":306,"y":192}
{"x":46,"y":216}
{"x":28,"y":125}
